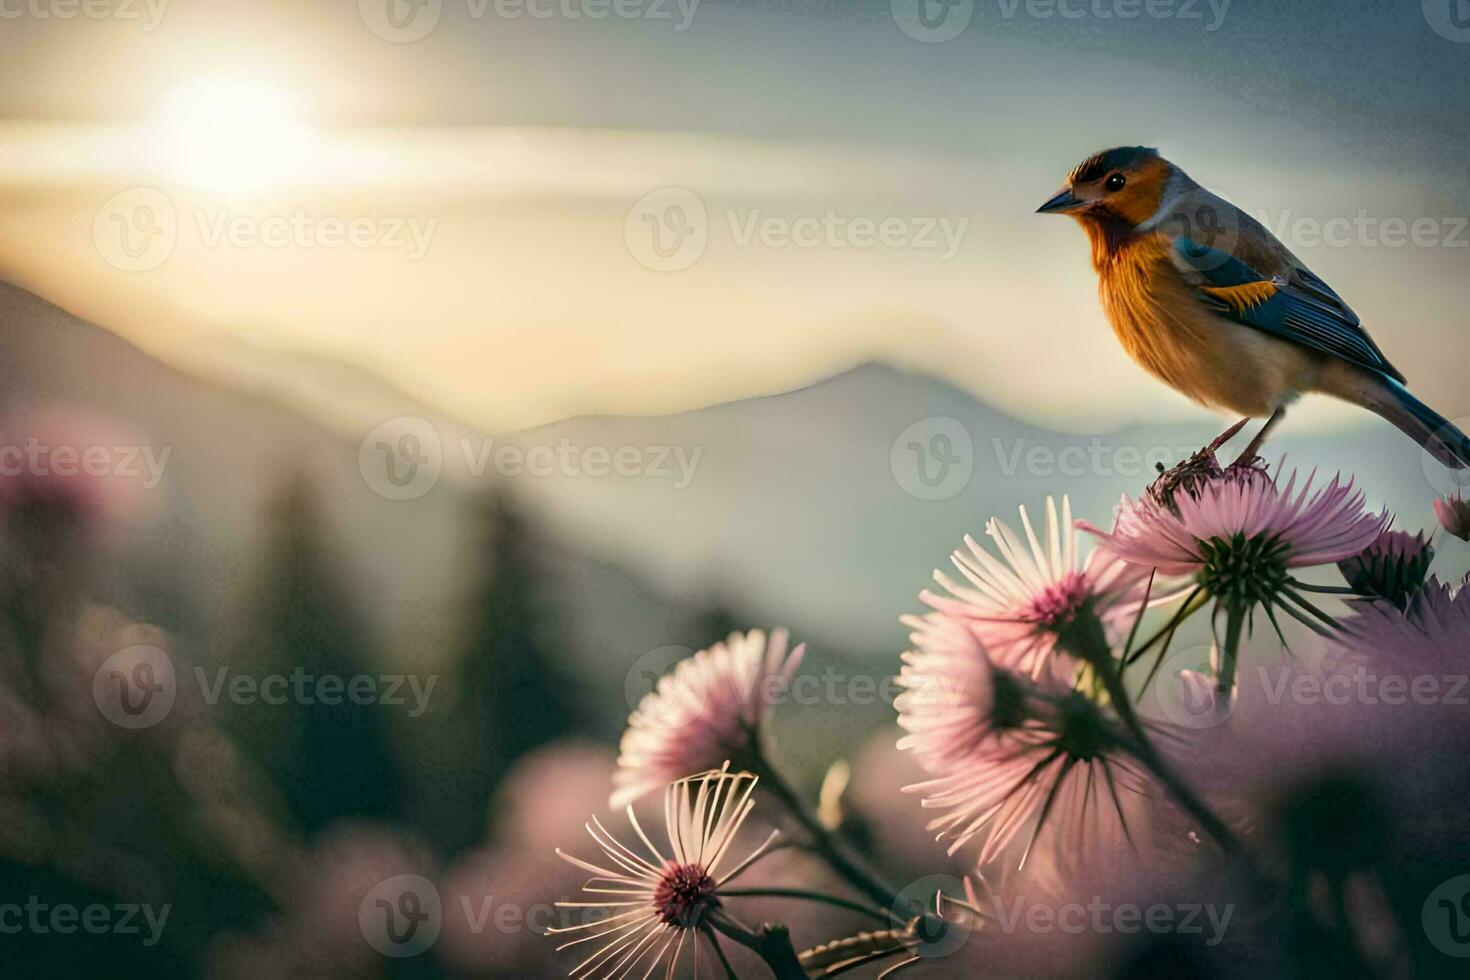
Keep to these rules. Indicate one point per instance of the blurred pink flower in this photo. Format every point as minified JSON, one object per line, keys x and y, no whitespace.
{"x":68,"y":464}
{"x":27,"y":753}
{"x":1018,"y":604}
{"x":1242,"y":507}
{"x":1385,"y":702}
{"x":322,"y":893}
{"x":653,"y":903}
{"x":50,"y":723}
{"x":708,"y":710}
{"x":500,"y":902}
{"x":1009,"y":757}
{"x":547,"y":795}
{"x":1433,"y":631}
{"x":873,"y":798}
{"x":1454,"y":515}
{"x":346,"y":865}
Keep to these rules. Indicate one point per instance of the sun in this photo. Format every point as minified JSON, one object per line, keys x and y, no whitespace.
{"x":231,"y":133}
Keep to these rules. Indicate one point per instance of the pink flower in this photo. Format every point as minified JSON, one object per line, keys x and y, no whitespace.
{"x":1009,"y":758}
{"x":329,"y":898}
{"x":1239,"y":531}
{"x":1454,"y":515}
{"x":953,"y":702}
{"x":708,"y":710}
{"x":1385,"y":702}
{"x":648,"y":905}
{"x":1393,"y":567}
{"x":59,"y":467}
{"x":547,"y":795}
{"x":1019,"y":604}
{"x":1434,"y":629}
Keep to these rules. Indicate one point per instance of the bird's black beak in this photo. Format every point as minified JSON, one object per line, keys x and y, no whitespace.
{"x":1062,"y":203}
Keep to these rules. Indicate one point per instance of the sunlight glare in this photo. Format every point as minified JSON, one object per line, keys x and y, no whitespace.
{"x":232,"y":133}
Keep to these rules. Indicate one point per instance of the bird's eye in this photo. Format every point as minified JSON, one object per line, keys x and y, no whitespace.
{"x":1116,"y":182}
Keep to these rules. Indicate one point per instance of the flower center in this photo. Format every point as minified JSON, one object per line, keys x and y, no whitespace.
{"x":1245,"y":570}
{"x":685,"y":892}
{"x":1007,"y":702}
{"x":1082,"y":735}
{"x":1192,"y":476}
{"x":1053,"y":608}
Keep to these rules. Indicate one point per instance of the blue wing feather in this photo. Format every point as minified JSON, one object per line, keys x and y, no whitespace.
{"x":1303,"y":310}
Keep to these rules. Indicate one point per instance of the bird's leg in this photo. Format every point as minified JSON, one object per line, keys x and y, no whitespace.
{"x":1251,"y":451}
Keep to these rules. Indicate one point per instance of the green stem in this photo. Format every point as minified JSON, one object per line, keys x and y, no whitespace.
{"x":1087,"y":642}
{"x":826,"y":844}
{"x":1329,"y":589}
{"x":1193,"y":604}
{"x":771,"y":942}
{"x":1230,"y":655}
{"x":1144,"y":750}
{"x":801,"y":894}
{"x":1142,"y":611}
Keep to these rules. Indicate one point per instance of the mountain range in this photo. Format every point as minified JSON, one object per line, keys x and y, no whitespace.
{"x":825,"y":508}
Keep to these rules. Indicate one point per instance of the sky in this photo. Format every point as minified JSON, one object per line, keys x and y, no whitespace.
{"x":519,"y":210}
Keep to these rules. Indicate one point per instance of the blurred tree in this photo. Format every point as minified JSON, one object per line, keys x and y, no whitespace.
{"x":511,"y":691}
{"x":328,"y":760}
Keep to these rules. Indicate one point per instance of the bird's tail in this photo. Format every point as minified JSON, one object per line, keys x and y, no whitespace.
{"x":1391,"y":400}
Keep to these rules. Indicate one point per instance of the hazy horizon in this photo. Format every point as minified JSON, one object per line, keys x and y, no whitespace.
{"x":505,"y":272}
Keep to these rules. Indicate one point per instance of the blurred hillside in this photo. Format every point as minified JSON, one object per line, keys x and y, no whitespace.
{"x":794,"y":508}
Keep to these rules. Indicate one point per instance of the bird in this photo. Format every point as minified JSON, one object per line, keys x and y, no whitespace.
{"x":1206,"y":299}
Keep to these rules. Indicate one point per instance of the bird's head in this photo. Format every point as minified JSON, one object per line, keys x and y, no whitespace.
{"x":1120,"y":186}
